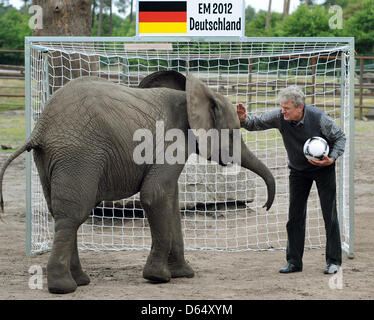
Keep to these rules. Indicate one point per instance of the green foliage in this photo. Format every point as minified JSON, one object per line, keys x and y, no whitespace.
{"x":13,"y":28}
{"x":116,"y":24}
{"x":311,"y":21}
{"x":12,"y":131}
{"x":123,"y":5}
{"x":126,"y":28}
{"x":249,"y":14}
{"x":361,"y":26}
{"x":352,"y":7}
{"x":342,"y":3}
{"x":256,"y":28}
{"x":307,"y":22}
{"x":4,"y":8}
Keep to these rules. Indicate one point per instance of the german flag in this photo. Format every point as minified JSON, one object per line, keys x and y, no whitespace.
{"x":162,"y":16}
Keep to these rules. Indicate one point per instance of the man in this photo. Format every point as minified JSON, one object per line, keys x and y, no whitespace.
{"x":298,"y":122}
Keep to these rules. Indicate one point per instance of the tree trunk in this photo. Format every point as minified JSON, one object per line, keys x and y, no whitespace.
{"x":110,"y":19}
{"x":93,"y":13}
{"x":286,"y":8}
{"x":131,"y":10}
{"x":100,"y":26}
{"x":67,"y":18}
{"x":268,"y":15}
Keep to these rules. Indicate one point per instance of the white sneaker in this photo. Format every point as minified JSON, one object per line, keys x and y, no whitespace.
{"x":331,"y":269}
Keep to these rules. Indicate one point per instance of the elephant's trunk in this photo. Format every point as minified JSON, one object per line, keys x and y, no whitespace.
{"x":251,"y":162}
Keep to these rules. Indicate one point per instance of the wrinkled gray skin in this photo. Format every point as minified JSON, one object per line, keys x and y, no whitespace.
{"x":83,"y":149}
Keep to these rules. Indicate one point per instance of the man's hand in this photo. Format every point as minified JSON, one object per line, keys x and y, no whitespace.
{"x":241,"y":111}
{"x":326,"y":161}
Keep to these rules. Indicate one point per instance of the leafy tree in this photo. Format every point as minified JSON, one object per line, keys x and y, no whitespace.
{"x":124,"y":5}
{"x":4,"y":7}
{"x":307,"y":22}
{"x":127,"y":28}
{"x":342,"y":3}
{"x":117,"y":22}
{"x":250,"y":13}
{"x":14,"y":26}
{"x":256,"y":28}
{"x":361,"y":26}
{"x":352,"y":7}
{"x":307,"y":2}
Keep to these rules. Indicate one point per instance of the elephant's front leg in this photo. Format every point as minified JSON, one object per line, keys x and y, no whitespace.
{"x":158,"y":199}
{"x":177,"y":263}
{"x":158,"y":208}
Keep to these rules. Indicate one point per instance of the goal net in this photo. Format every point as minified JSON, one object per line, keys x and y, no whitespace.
{"x":220,"y":209}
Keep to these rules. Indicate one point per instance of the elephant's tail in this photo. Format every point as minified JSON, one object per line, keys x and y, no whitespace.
{"x":27,"y":146}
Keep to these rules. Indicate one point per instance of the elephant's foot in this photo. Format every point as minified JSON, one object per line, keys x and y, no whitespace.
{"x":61,"y":285}
{"x":156,"y":272}
{"x":179,"y":270}
{"x":59,"y":279}
{"x":80,"y":277}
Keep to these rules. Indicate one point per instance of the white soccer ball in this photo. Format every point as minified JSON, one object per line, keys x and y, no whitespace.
{"x":315,"y":147}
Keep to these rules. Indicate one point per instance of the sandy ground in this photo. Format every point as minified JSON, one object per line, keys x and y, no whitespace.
{"x":219,"y":275}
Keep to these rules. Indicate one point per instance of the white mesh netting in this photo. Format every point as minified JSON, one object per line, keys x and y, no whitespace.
{"x":219,"y":211}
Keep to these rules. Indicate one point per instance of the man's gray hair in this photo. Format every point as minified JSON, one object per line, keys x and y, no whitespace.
{"x":292,"y":93}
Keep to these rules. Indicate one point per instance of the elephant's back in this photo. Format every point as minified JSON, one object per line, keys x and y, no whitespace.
{"x":93,"y":106}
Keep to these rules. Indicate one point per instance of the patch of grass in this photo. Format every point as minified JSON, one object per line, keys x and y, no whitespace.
{"x":262,"y":140}
{"x":364,"y":126}
{"x":6,"y":106}
{"x":12,"y":130}
{"x":12,"y":87}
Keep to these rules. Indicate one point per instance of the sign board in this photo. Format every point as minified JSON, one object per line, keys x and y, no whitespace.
{"x":190,"y":18}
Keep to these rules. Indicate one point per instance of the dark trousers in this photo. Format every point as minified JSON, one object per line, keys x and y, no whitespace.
{"x":300,"y":185}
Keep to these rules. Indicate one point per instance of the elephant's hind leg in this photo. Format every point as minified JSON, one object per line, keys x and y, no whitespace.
{"x":80,"y":277}
{"x":72,"y":200}
{"x":59,"y":277}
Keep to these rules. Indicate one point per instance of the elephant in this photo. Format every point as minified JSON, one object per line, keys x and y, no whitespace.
{"x":83,"y":147}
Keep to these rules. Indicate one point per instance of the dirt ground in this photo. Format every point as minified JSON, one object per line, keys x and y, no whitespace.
{"x":219,"y":275}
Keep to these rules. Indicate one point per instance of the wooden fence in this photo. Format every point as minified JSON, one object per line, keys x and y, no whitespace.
{"x":364,"y":83}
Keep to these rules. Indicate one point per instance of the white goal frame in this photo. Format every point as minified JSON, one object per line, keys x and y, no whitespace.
{"x":225,"y":228}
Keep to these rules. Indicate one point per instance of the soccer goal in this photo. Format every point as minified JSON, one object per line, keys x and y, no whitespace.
{"x":220,"y":210}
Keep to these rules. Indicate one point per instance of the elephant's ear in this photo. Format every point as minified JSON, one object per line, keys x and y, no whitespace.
{"x":200,"y":110}
{"x":164,"y":79}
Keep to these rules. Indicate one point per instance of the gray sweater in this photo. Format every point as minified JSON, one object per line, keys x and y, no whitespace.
{"x":315,"y":122}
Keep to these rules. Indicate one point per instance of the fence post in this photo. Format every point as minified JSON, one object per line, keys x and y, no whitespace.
{"x":361,"y":86}
{"x":313,"y":80}
{"x":249,"y":85}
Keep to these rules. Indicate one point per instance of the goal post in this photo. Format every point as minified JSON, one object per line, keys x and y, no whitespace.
{"x":220,"y":210}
